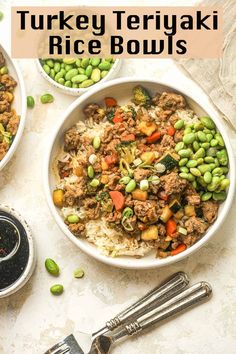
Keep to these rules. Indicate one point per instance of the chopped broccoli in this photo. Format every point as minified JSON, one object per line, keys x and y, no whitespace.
{"x":110,"y":115}
{"x":141,"y":96}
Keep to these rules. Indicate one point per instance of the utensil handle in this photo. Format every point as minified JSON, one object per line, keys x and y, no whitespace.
{"x":157,"y":296}
{"x":188,"y":298}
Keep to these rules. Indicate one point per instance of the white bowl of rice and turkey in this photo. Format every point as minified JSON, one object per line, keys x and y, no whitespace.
{"x":114,"y":181}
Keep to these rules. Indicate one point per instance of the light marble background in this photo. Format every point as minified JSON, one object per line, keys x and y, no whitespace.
{"x":32,"y":320}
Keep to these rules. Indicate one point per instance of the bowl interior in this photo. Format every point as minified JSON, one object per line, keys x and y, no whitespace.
{"x":19,"y":104}
{"x":121,"y":89}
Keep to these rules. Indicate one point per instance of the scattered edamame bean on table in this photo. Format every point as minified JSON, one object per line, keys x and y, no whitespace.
{"x":77,"y":73}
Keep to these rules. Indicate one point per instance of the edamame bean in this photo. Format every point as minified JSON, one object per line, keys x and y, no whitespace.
{"x":214,"y":184}
{"x":71,"y":73}
{"x":69,"y":61}
{"x":179,"y":124}
{"x":86,"y":83}
{"x":214,"y":142}
{"x":204,"y":168}
{"x":81,"y":71}
{"x":185,"y":152}
{"x":73,"y":219}
{"x":1,"y":15}
{"x":222,"y":157}
{"x":57,"y":67}
{"x":201,"y":136}
{"x":68,"y":67}
{"x":194,"y":184}
{"x":191,"y":163}
{"x":84,"y":63}
{"x":209,"y":159}
{"x":207,"y":122}
{"x":79,"y":273}
{"x":201,"y":181}
{"x":189,"y":138}
{"x":206,"y":196}
{"x":184,"y":175}
{"x":224,"y":184}
{"x":96,"y":75}
{"x":68,"y":83}
{"x":220,"y":196}
{"x":183,"y":162}
{"x":184,"y":169}
{"x":90,"y":171}
{"x":46,"y":68}
{"x":58,"y":76}
{"x":61,"y":81}
{"x":187,"y":130}
{"x":198,"y":126}
{"x":207,"y":177}
{"x":79,"y":78}
{"x":105,"y":65}
{"x":196,"y":146}
{"x":104,"y":73}
{"x":52,"y":74}
{"x":74,"y":85}
{"x":52,"y":267}
{"x":57,"y":289}
{"x":195,"y":171}
{"x":30,"y":102}
{"x":211,"y":152}
{"x":94,"y":183}
{"x":191,"y":177}
{"x":47,"y":98}
{"x":96,"y":142}
{"x":199,"y":153}
{"x":130,"y":186}
{"x":88,"y":70}
{"x":179,"y":146}
{"x":212,"y":166}
{"x":225,"y":169}
{"x":78,"y":62}
{"x":50,"y":63}
{"x":220,"y":140}
{"x":209,"y":137}
{"x":4,"y":70}
{"x":95,"y":61}
{"x":217,"y":171}
{"x":205,"y":145}
{"x":200,"y":161}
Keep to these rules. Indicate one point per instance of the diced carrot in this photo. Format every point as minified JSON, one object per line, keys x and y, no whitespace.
{"x":118,"y":117}
{"x":111,"y":159}
{"x":171,"y":227}
{"x":110,"y":102}
{"x":127,"y":138}
{"x":154,"y":137}
{"x":118,"y":199}
{"x":178,"y":250}
{"x":171,"y":131}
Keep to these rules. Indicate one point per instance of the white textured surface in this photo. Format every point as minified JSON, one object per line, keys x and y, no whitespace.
{"x":32,"y":320}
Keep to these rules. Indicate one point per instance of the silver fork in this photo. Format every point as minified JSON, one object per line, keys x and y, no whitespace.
{"x":170,"y":287}
{"x":102,"y":344}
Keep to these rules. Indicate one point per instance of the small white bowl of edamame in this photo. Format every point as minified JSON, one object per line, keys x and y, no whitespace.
{"x":76,"y":76}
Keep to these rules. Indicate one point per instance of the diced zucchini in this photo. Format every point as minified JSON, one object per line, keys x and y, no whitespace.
{"x":182,"y":230}
{"x":166,"y":214}
{"x":150,"y":234}
{"x":189,"y":210}
{"x":179,"y":214}
{"x":147,"y":128}
{"x":148,"y":157}
{"x":168,"y":161}
{"x":175,"y":206}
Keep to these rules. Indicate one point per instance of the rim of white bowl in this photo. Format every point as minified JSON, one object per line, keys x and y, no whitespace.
{"x":79,"y":91}
{"x":25,"y":276}
{"x":155,"y":262}
{"x":21,"y":126}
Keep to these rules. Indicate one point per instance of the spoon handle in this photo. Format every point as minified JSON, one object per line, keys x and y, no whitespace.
{"x":172,"y":286}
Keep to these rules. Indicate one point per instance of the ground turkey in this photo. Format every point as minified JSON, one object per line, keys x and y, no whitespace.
{"x":171,"y":101}
{"x":94,"y":111}
{"x":8,"y":82}
{"x":77,"y":229}
{"x":210,"y":210}
{"x":5,"y":117}
{"x":141,"y":173}
{"x":92,"y":208}
{"x":173,"y":184}
{"x":72,"y":139}
{"x":13,"y":124}
{"x":145,"y":211}
{"x":167,"y":142}
{"x":3,"y":149}
{"x":195,"y":225}
{"x":74,"y":191}
{"x":191,"y":196}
